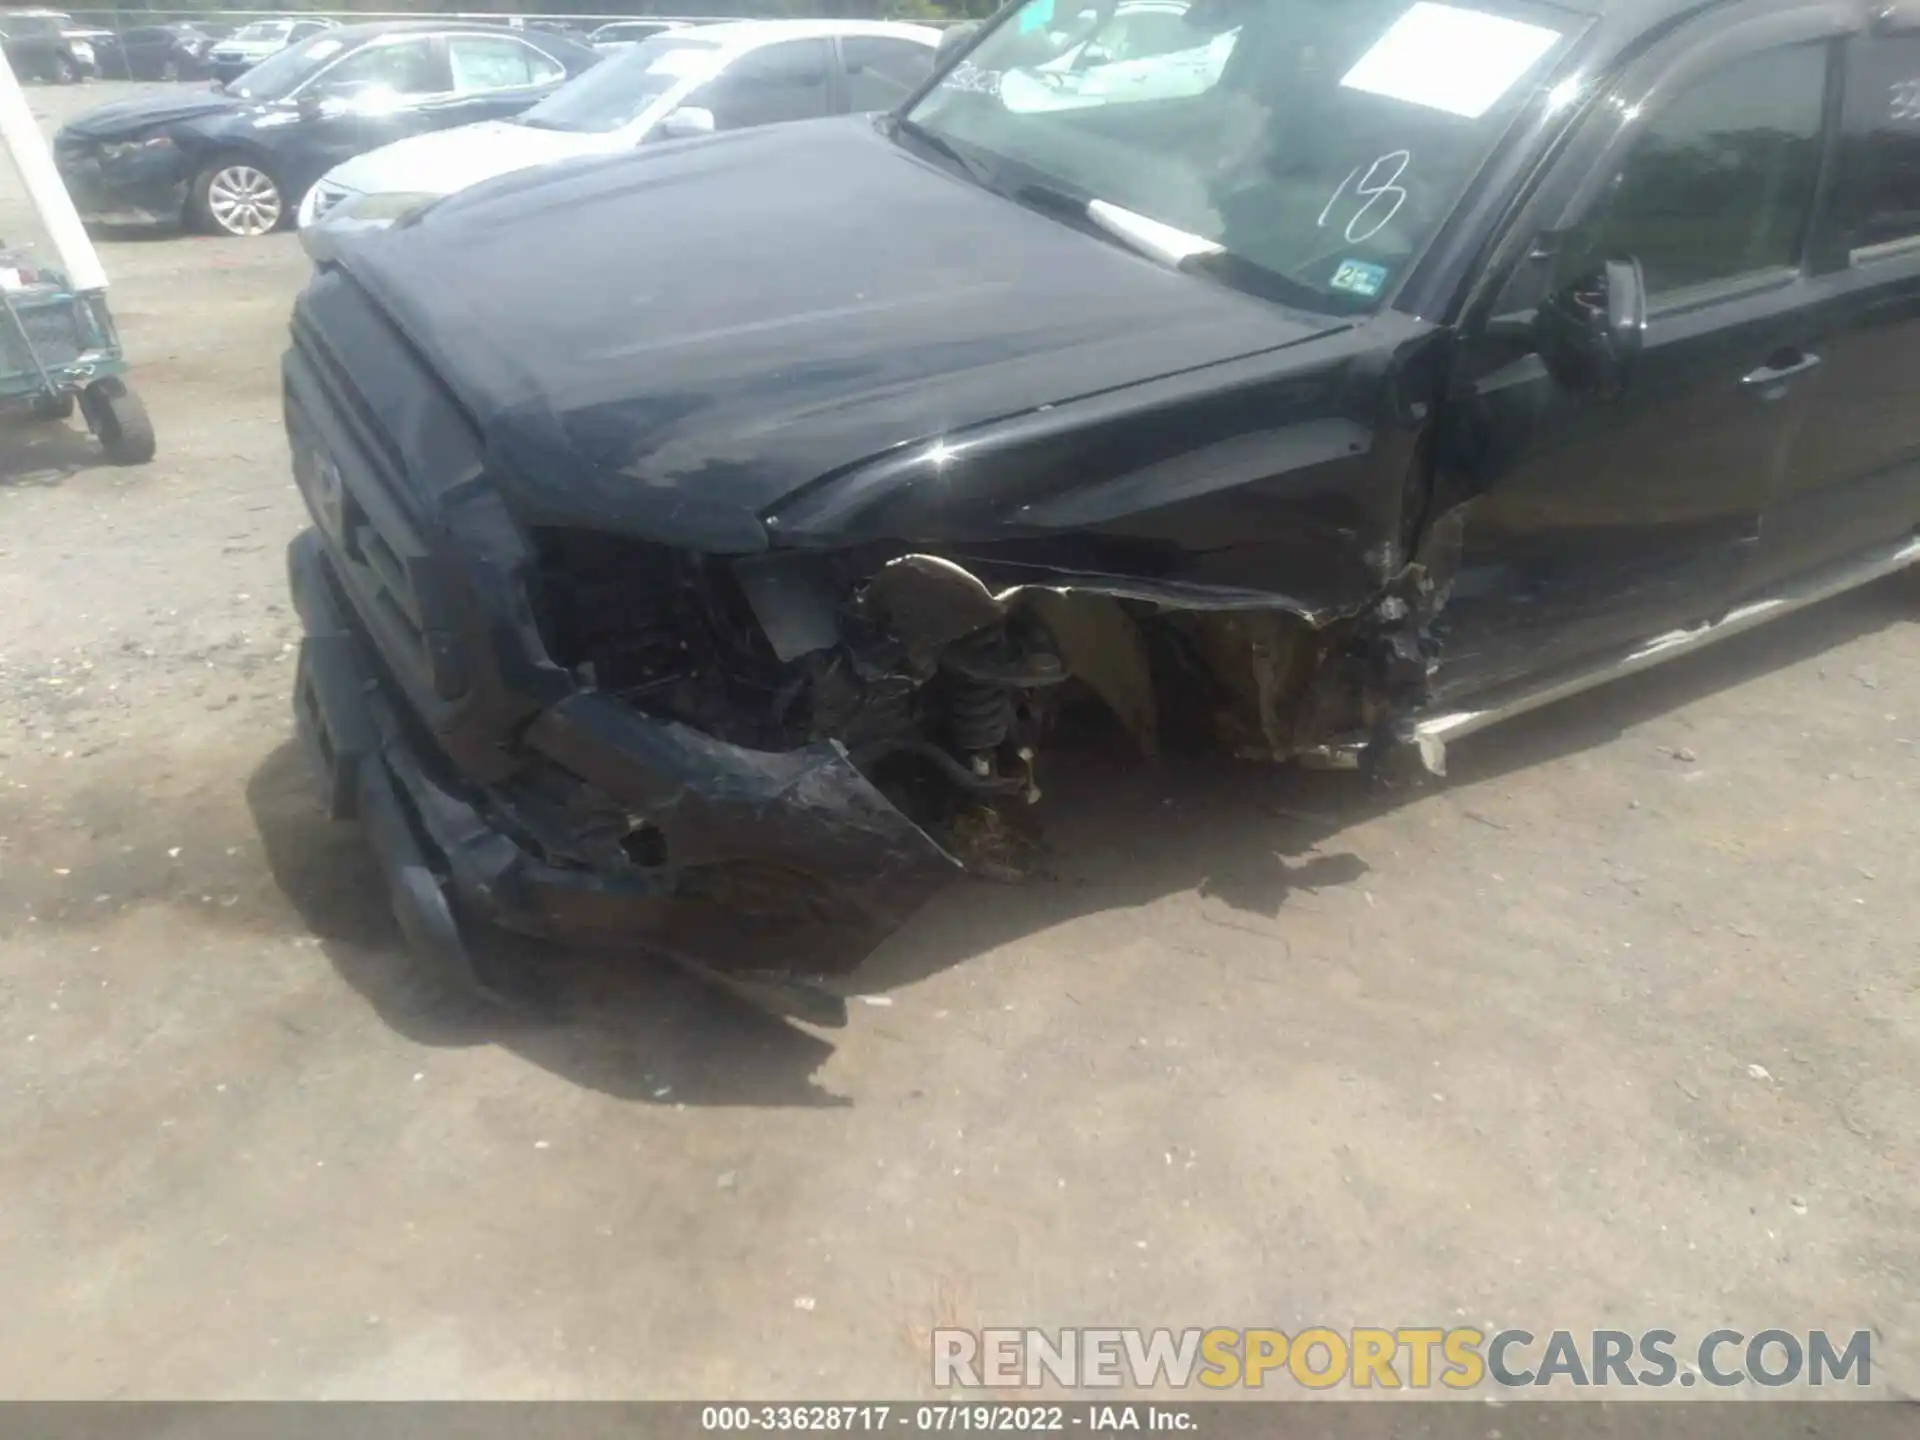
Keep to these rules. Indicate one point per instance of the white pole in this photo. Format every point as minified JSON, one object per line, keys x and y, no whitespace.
{"x":28,"y":147}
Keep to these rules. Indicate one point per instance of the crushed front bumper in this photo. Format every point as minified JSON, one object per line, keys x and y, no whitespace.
{"x":148,"y":187}
{"x":452,"y":848}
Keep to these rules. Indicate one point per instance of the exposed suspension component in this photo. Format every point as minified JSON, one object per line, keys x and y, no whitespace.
{"x":979,"y":715}
{"x":985,"y":675}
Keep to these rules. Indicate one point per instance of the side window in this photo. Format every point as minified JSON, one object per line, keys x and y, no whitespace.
{"x":406,"y":67}
{"x":1721,"y":181}
{"x":488,"y":62}
{"x":881,"y":72}
{"x":787,"y":81}
{"x":304,"y":29}
{"x":1877,"y":193}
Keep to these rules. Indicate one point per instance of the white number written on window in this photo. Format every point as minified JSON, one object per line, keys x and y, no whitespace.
{"x":1904,"y":100}
{"x":1377,"y":188}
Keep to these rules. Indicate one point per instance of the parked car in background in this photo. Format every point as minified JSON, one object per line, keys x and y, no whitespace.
{"x":250,"y":44}
{"x":690,"y":81}
{"x":573,"y":30}
{"x":45,"y":45}
{"x":625,"y":34}
{"x":156,"y":52}
{"x":89,"y":44}
{"x":1144,"y":50}
{"x":236,"y":159}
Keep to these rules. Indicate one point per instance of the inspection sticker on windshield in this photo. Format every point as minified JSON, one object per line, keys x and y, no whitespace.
{"x":1447,"y":58}
{"x":1357,"y":277}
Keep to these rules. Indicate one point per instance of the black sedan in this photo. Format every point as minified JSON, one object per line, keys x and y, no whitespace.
{"x":236,"y":159}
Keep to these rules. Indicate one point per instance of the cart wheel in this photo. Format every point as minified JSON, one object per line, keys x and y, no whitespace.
{"x":54,"y":407}
{"x":115,"y":414}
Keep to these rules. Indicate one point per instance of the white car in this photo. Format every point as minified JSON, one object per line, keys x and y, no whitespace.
{"x":686,"y":82}
{"x":246,"y":47}
{"x":621,"y":35}
{"x":1145,"y":51}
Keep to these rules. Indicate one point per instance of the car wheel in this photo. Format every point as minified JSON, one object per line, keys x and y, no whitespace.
{"x":169,"y":69}
{"x":237,"y":197}
{"x":65,"y":71}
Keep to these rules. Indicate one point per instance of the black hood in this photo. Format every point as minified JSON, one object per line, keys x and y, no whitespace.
{"x":126,"y":117}
{"x":670,"y":342}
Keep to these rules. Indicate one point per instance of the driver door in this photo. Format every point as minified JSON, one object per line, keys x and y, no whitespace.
{"x":788,"y":80}
{"x":1597,"y":520}
{"x":382,"y":92}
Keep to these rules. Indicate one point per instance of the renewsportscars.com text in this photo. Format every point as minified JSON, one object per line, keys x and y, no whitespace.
{"x":1401,"y":1357}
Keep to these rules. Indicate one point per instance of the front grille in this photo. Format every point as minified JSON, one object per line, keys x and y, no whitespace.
{"x":383,"y":556}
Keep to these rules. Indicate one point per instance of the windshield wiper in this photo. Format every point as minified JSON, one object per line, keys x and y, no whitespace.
{"x":1104,"y":220}
{"x":934,"y":140}
{"x":1155,"y":239}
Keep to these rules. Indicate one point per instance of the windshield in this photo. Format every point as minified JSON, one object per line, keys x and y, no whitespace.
{"x":1304,"y":148}
{"x":616,"y":92}
{"x":275,"y":77}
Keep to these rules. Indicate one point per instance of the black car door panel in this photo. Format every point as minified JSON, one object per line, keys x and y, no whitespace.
{"x":1600,"y":518}
{"x":1855,"y":481}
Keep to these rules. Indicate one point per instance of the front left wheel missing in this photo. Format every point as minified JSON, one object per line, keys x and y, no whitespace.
{"x":237,"y":197}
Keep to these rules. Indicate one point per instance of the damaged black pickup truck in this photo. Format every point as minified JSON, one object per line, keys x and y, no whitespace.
{"x":730,"y":522}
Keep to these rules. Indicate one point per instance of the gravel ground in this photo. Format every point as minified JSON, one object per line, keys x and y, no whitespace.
{"x":1618,"y":1029}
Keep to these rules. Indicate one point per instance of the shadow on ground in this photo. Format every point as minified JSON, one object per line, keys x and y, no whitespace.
{"x":626,"y":1026}
{"x":44,"y":452}
{"x":1121,"y":834}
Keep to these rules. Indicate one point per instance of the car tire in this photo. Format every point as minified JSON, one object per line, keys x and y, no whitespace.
{"x":170,"y":69}
{"x":65,"y":72}
{"x":237,"y":196}
{"x":116,"y":416}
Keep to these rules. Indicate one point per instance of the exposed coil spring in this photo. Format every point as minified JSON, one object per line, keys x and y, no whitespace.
{"x":980,"y":715}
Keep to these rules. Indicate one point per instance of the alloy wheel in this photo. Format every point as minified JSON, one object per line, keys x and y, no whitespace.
{"x":243,"y":200}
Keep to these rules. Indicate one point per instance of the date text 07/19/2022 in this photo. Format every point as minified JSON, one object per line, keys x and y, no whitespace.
{"x":940,"y":1417}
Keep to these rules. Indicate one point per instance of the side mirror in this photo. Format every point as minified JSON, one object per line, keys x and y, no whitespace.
{"x":1590,"y":334}
{"x":686,"y":122}
{"x":310,"y":104}
{"x":953,"y":37}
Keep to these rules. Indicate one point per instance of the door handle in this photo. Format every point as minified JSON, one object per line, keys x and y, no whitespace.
{"x":1790,"y":364}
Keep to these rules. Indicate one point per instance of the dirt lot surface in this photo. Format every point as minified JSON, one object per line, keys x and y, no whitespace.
{"x":1619,"y":1029}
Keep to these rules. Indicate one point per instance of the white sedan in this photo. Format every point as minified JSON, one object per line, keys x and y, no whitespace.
{"x":682,"y":83}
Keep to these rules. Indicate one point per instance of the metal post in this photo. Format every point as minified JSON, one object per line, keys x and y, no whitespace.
{"x":28,"y":147}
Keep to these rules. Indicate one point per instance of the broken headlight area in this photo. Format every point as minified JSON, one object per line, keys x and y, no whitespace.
{"x":779,"y":654}
{"x":943,"y":680}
